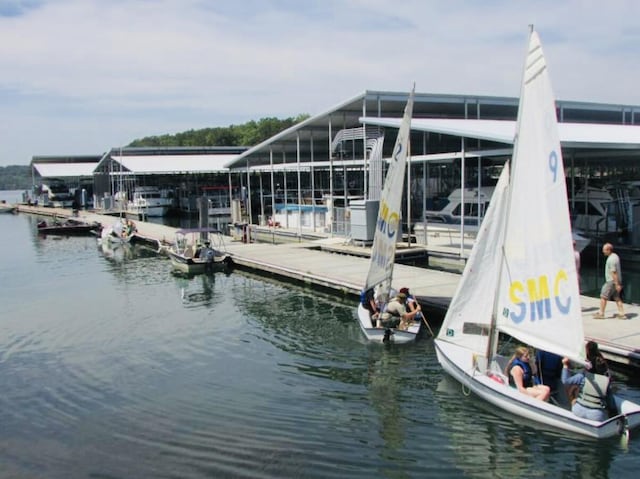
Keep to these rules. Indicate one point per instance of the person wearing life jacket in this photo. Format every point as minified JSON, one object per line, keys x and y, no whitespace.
{"x":396,"y":314}
{"x":593,"y":400}
{"x":367,"y":300}
{"x":520,"y":374}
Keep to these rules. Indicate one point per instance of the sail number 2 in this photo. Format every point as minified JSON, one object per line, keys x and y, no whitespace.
{"x":541,"y":303}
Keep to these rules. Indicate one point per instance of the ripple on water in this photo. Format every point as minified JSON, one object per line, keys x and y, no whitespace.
{"x":117,"y":368}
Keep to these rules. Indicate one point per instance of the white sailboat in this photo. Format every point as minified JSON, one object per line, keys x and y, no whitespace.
{"x":385,"y":238}
{"x":521,"y":279}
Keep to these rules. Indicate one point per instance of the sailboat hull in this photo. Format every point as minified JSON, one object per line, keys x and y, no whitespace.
{"x":377,"y":334}
{"x":492,"y":386}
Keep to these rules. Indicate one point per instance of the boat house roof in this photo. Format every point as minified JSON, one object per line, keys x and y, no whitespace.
{"x":592,"y":126}
{"x":65,"y":166}
{"x":179,"y":160}
{"x":572,"y":135}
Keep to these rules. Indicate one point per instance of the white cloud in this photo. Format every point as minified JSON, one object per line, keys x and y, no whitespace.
{"x":80,"y":76}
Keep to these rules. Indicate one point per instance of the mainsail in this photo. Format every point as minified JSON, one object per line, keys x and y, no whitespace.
{"x":388,"y":224}
{"x":520,"y":277}
{"x":539,"y":298}
{"x":468,"y":319}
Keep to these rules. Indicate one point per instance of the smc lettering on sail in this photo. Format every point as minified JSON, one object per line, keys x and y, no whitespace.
{"x":385,"y":239}
{"x":539,"y":298}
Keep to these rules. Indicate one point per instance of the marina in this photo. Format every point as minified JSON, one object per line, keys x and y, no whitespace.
{"x":113,"y":366}
{"x":337,"y":265}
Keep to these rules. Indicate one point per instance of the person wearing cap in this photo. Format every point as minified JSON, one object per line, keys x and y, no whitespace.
{"x":412,"y":303}
{"x":207,"y":255}
{"x":396,"y":314}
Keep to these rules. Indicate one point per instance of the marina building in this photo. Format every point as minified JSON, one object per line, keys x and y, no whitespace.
{"x":325,"y":174}
{"x":62,"y":181}
{"x":336,"y":160}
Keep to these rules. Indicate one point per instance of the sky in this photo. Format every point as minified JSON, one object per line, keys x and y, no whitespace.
{"x":78,"y":77}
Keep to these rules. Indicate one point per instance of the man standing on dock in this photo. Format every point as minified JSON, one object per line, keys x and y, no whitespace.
{"x":612,"y":289}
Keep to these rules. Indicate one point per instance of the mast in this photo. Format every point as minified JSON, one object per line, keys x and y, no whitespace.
{"x":492,"y":344}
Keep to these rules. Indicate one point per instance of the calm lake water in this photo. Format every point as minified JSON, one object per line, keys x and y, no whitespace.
{"x":112,"y":367}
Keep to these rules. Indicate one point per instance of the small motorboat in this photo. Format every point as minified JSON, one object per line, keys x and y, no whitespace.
{"x":122,"y":231}
{"x":198,"y":250}
{"x":69,"y":227}
{"x":6,"y":207}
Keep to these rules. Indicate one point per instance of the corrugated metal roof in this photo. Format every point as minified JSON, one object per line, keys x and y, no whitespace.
{"x":175,"y":163}
{"x":574,"y":135}
{"x":65,"y":170}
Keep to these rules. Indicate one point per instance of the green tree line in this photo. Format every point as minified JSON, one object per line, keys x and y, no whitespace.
{"x":247,"y":134}
{"x":15,"y":177}
{"x":18,"y":177}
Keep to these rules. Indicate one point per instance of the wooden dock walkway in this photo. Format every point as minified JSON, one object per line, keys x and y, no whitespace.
{"x":335,"y":264}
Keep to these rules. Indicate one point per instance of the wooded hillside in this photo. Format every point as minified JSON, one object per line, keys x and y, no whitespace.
{"x":18,"y":177}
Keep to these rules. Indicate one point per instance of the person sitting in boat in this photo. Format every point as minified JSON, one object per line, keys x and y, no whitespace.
{"x":412,"y":302}
{"x":520,"y":373}
{"x":549,"y":366}
{"x":590,"y":390}
{"x":207,"y":252}
{"x":381,"y":297}
{"x":367,"y":299}
{"x":594,"y":398}
{"x":396,"y":314}
{"x":129,"y":228}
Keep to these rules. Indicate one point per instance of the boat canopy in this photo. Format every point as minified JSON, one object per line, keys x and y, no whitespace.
{"x":145,"y":164}
{"x":572,"y":135}
{"x":65,"y":170}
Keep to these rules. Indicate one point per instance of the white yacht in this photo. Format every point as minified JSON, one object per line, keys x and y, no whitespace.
{"x":149,"y":201}
{"x":594,"y":211}
{"x":476,"y":201}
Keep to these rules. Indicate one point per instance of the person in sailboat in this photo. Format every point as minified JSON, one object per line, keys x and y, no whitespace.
{"x":549,"y":366}
{"x":612,"y":289}
{"x":592,"y":398}
{"x":412,"y":303}
{"x":368,"y":300}
{"x":381,"y":298}
{"x":396,"y":314}
{"x":520,"y":372}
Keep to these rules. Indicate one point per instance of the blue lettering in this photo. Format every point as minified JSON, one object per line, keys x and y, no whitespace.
{"x":533,"y":296}
{"x":553,"y":164}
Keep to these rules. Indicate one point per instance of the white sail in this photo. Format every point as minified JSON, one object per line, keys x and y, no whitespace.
{"x":539,"y":299}
{"x":388,"y":224}
{"x":468,"y":319}
{"x":520,"y":278}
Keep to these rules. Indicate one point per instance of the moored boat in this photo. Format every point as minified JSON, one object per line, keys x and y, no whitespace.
{"x":69,"y":227}
{"x":7,"y":208}
{"x":122,"y":231}
{"x":149,"y":201}
{"x":198,"y":250}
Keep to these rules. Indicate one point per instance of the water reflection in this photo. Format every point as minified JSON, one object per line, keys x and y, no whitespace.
{"x":195,"y":290}
{"x":383,"y":368}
